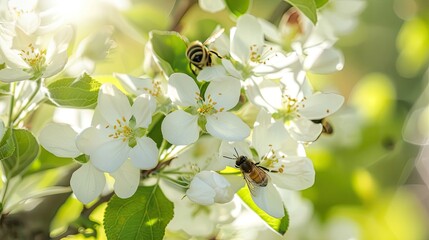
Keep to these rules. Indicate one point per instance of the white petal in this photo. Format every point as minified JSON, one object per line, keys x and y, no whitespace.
{"x":226,"y":93}
{"x":416,"y":129}
{"x":270,"y":31}
{"x":145,"y":154}
{"x":62,"y":39}
{"x":304,"y":130}
{"x":110,"y":156}
{"x":90,"y":138}
{"x":113,"y":104}
{"x":182,"y":90}
{"x":264,"y":93}
{"x":56,"y":64}
{"x":323,"y":61}
{"x":28,"y":22}
{"x":87,"y":183}
{"x":212,"y":5}
{"x":200,"y":192}
{"x":132,"y":84}
{"x":232,"y":149}
{"x":318,"y":106}
{"x":229,"y":67}
{"x":272,"y":137}
{"x":227,"y":126}
{"x":248,"y":33}
{"x":127,"y":179}
{"x":268,"y":199}
{"x":13,"y":74}
{"x":12,"y":57}
{"x":59,"y":139}
{"x":222,"y":188}
{"x":298,"y":174}
{"x":180,"y":128}
{"x":213,"y":73}
{"x":143,"y":108}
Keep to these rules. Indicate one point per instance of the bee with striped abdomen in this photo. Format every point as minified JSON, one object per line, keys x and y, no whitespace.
{"x":199,"y":54}
{"x":254,"y":175}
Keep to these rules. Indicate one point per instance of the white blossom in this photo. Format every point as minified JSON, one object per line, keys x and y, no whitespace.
{"x":182,"y":127}
{"x":118,"y":132}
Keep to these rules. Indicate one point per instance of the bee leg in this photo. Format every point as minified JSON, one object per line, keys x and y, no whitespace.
{"x":216,"y":53}
{"x":266,"y":169}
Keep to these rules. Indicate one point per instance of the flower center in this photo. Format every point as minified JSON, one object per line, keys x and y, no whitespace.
{"x":35,"y":57}
{"x":260,"y":54}
{"x":156,"y":89}
{"x":272,"y":161}
{"x":289,"y":110}
{"x":121,"y":130}
{"x":207,"y":106}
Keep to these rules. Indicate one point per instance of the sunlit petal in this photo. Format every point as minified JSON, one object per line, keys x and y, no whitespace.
{"x":113,"y":104}
{"x":227,"y":126}
{"x":48,"y":138}
{"x":180,"y":128}
{"x":109,"y":156}
{"x":143,"y":108}
{"x":298,"y":174}
{"x":226,"y":93}
{"x":127,"y":179}
{"x":269,"y":200}
{"x":87,"y":183}
{"x":318,"y":106}
{"x":182,"y":90}
{"x":304,"y":130}
{"x":145,"y":154}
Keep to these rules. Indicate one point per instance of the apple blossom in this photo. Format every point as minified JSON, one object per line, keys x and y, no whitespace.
{"x":282,"y":159}
{"x":182,"y":127}
{"x":87,"y":182}
{"x":27,"y":59}
{"x":118,"y":132}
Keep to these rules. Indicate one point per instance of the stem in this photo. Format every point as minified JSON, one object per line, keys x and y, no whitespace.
{"x":12,"y":103}
{"x":28,"y":103}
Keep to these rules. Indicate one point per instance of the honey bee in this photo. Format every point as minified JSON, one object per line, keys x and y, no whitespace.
{"x":326,"y":127}
{"x":199,"y":55}
{"x":254,"y":175}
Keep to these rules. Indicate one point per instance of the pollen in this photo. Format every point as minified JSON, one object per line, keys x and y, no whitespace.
{"x":206,"y":106}
{"x":35,"y":57}
{"x":156,"y":89}
{"x":260,"y":54}
{"x":121,"y":130}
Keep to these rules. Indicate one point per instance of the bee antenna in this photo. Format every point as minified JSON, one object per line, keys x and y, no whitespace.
{"x":236,"y":152}
{"x":228,"y":157}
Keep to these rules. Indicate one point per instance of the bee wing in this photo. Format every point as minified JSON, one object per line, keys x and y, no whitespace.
{"x":214,"y":35}
{"x":252,"y":184}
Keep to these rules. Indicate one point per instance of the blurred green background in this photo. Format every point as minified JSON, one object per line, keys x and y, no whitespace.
{"x":366,"y":173}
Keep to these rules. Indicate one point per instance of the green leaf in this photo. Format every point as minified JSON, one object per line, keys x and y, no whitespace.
{"x":170,"y":52}
{"x":154,"y":129}
{"x":321,"y":3}
{"x":142,"y":216}
{"x":7,"y":146}
{"x":26,"y":150}
{"x":238,"y":7}
{"x":279,"y":225}
{"x":47,"y":160}
{"x":81,"y":92}
{"x":307,"y":7}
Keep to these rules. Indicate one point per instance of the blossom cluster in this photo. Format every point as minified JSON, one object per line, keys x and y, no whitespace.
{"x":252,"y":99}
